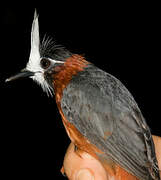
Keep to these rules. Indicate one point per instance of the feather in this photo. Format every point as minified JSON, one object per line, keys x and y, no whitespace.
{"x":98,"y":104}
{"x":34,"y":60}
{"x":35,"y":42}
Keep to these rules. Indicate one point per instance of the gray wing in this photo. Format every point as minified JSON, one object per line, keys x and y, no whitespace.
{"x":103,"y":110}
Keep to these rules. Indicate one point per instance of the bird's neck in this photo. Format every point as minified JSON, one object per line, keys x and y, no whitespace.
{"x":64,"y":73}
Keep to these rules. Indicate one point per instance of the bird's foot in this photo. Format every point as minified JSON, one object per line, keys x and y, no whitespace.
{"x":75,"y":148}
{"x":77,"y":151}
{"x":63,"y":171}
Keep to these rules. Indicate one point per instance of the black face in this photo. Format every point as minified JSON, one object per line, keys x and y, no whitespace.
{"x":51,"y":67}
{"x":48,"y":75}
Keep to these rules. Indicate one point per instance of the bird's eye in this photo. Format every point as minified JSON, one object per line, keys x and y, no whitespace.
{"x":45,"y":63}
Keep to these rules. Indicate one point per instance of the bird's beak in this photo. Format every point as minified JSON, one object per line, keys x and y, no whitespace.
{"x":22,"y":74}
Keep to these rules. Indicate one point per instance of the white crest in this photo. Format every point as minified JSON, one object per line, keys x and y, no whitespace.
{"x":34,"y":59}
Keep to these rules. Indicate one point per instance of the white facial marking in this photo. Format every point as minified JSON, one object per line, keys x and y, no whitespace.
{"x":34,"y":59}
{"x":54,"y":61}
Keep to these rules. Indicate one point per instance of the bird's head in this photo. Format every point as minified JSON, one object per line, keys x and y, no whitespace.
{"x":45,"y":59}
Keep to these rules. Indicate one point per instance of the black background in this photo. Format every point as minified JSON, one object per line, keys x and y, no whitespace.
{"x":124,"y":40}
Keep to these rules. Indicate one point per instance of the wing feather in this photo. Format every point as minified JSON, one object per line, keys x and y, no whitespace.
{"x":98,"y":104}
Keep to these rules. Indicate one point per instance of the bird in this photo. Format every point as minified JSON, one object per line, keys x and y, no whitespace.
{"x":98,"y":112}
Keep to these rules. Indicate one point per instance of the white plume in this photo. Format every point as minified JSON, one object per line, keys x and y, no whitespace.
{"x":34,"y":60}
